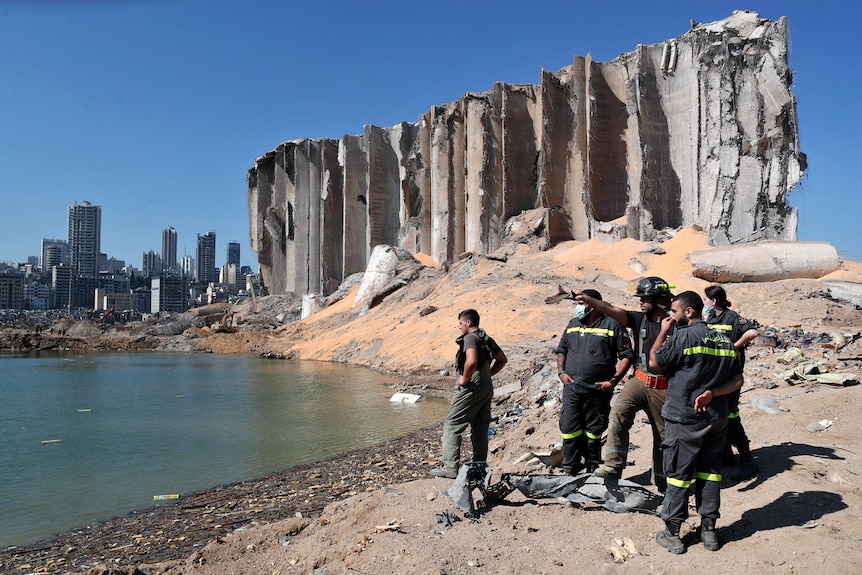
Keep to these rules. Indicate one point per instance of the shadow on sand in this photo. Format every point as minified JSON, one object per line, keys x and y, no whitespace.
{"x":792,"y":507}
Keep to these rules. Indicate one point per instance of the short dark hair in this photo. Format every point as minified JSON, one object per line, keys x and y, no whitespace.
{"x":691,"y":299}
{"x":719,"y":295}
{"x":593,"y":294}
{"x":472,"y":315}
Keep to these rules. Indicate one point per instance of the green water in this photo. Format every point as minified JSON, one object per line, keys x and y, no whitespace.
{"x":88,"y":437}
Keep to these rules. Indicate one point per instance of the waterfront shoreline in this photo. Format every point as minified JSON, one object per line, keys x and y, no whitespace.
{"x":175,"y":531}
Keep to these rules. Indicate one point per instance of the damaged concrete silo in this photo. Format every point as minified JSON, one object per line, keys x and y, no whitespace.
{"x":700,"y":129}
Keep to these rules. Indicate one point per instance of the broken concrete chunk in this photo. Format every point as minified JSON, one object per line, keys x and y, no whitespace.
{"x":765,"y":261}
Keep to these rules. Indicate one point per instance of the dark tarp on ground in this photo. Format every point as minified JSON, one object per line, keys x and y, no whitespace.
{"x":618,"y":495}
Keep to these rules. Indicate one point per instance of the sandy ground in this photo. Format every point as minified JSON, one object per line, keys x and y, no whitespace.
{"x":800,"y":515}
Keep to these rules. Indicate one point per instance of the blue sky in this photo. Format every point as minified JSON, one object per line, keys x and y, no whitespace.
{"x":156,"y":109}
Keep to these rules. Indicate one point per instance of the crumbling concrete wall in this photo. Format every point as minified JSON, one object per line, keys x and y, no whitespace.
{"x":700,"y":129}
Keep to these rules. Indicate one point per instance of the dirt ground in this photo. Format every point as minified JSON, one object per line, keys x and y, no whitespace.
{"x":378,"y":511}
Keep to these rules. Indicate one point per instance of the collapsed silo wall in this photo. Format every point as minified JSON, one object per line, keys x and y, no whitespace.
{"x":699,"y":129}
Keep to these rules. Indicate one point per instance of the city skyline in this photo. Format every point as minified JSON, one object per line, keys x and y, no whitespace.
{"x":75,"y":274}
{"x":136,"y":261}
{"x":168,"y":136}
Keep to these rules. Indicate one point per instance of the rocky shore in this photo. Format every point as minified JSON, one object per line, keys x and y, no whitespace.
{"x":177,"y":530}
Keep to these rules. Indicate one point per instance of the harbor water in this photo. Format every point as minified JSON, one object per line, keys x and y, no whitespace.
{"x":86,"y":437}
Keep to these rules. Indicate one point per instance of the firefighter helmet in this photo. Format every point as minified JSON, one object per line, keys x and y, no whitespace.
{"x":653,"y":286}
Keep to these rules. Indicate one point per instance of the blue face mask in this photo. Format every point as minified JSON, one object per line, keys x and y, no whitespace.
{"x":708,"y":311}
{"x":581,"y":311}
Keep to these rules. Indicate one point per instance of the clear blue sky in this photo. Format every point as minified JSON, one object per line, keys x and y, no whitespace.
{"x":156,"y":109}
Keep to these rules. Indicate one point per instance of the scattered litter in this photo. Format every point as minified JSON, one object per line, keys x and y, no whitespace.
{"x":491,"y":431}
{"x":622,"y":549}
{"x":511,"y":416}
{"x":393,"y":525}
{"x":404,"y":398}
{"x":88,"y":410}
{"x":448,"y":518}
{"x":525,"y":457}
{"x":792,"y":355}
{"x":551,"y":458}
{"x":836,"y":379}
{"x":166,"y":497}
{"x":820,"y":425}
{"x":765,"y":404}
{"x":809,"y":372}
{"x":362,"y":544}
{"x":769,"y":384}
{"x":47,"y":441}
{"x":848,"y":354}
{"x":839,"y":340}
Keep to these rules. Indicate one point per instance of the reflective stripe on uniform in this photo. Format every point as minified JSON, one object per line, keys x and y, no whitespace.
{"x":573,"y":434}
{"x":593,"y":435}
{"x":707,"y":476}
{"x":733,"y":415}
{"x":591,"y":330}
{"x":679,"y":483}
{"x":719,"y":326}
{"x":702,"y":349}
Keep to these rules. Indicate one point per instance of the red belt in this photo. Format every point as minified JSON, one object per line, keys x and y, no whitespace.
{"x":650,"y":380}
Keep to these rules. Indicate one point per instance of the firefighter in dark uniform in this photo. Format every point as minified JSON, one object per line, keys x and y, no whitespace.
{"x":644,"y":391}
{"x":741,"y":331}
{"x":588,"y":366}
{"x":702,"y":369}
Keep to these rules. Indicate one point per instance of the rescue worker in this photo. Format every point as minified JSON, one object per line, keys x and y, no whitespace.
{"x":702,"y":369}
{"x":478,"y":359}
{"x":593,"y":355}
{"x":719,"y":316}
{"x":644,"y":391}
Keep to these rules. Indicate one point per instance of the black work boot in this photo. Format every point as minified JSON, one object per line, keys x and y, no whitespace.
{"x":708,"y":534}
{"x":669,"y":539}
{"x":746,"y":469}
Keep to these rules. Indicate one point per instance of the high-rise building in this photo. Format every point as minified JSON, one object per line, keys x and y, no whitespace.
{"x":169,"y":249}
{"x":61,"y":282}
{"x":188,"y":266}
{"x":37,"y":296}
{"x":114,"y":265}
{"x":229,"y":275}
{"x":233,"y":253}
{"x":54,"y":253}
{"x":151,"y":264}
{"x":85,"y":238}
{"x":206,"y":258}
{"x":12,"y":290}
{"x":169,"y":293}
